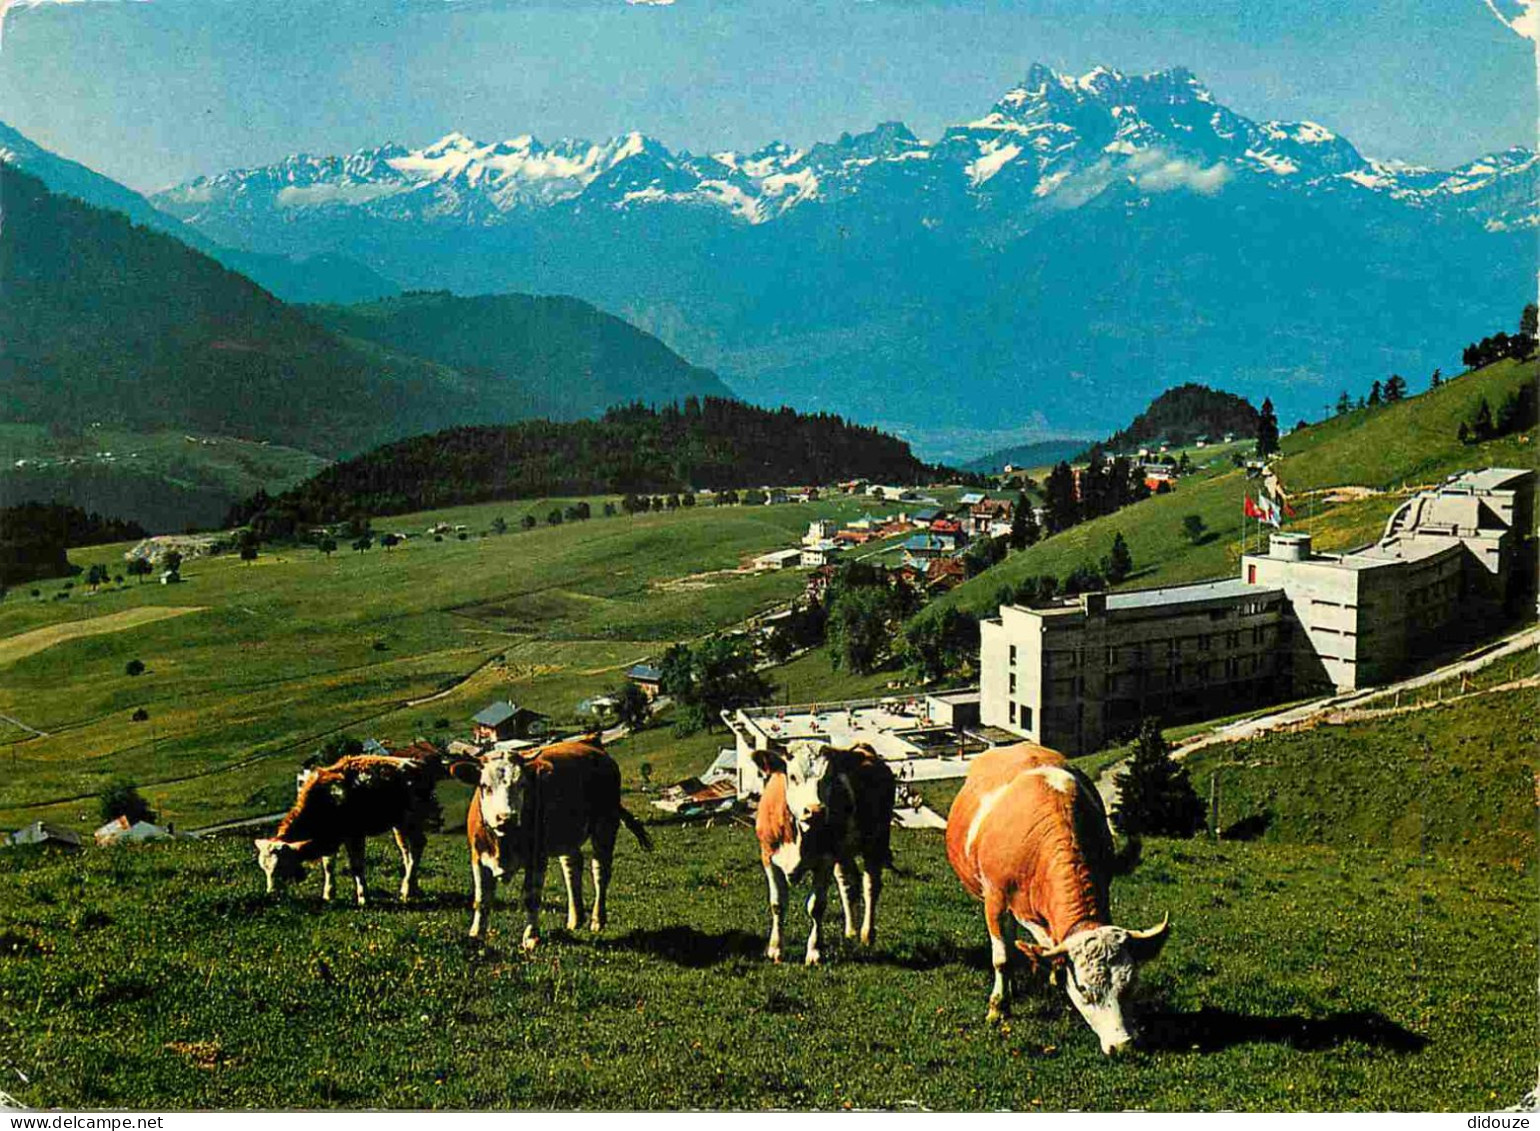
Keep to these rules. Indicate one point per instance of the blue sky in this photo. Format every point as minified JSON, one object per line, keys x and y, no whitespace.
{"x":153,"y":93}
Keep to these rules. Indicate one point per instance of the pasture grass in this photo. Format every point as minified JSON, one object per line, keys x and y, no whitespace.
{"x":297,"y":647}
{"x":1298,"y":977}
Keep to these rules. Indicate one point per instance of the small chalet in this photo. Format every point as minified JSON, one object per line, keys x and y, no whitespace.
{"x":942,"y":574}
{"x":819,"y":553}
{"x":948,"y":528}
{"x":988,"y":513}
{"x":923,"y":548}
{"x":646,"y":676}
{"x":972,"y":498}
{"x":504,"y":720}
{"x":924,"y":518}
{"x":819,"y":580}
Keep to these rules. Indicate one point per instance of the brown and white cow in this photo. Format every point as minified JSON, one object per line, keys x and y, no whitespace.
{"x":531,"y":806}
{"x":341,"y":805}
{"x":1028,"y":835}
{"x":821,"y":808}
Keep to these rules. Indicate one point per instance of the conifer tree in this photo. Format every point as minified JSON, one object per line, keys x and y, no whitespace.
{"x":1155,"y":796}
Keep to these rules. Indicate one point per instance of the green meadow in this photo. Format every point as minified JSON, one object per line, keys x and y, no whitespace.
{"x":281,"y":653}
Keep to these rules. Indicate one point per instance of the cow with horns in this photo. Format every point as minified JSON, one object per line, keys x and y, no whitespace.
{"x":533,"y":805}
{"x":821,"y":808}
{"x":1028,"y":836}
{"x":341,"y":805}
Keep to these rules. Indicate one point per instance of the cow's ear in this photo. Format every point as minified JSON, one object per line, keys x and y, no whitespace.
{"x":466,"y":771}
{"x":771,"y":760}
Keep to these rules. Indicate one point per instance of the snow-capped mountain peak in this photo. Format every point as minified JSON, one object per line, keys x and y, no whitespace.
{"x":1053,"y":140}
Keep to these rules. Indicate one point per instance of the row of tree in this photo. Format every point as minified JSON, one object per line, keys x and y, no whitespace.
{"x":1501,"y":345}
{"x":1515,"y":413}
{"x":717,"y":443}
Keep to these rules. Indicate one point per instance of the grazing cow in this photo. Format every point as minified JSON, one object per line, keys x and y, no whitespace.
{"x":820,"y":808}
{"x":340,"y":805}
{"x":1029,"y":837}
{"x":548,"y":802}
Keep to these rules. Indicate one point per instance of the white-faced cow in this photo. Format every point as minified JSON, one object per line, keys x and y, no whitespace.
{"x":532,"y":806}
{"x":1029,"y":837}
{"x":341,"y":805}
{"x":821,"y":808}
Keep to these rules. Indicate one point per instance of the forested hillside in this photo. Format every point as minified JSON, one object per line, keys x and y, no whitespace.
{"x":1182,"y":414}
{"x":711,"y":443}
{"x":530,"y":355}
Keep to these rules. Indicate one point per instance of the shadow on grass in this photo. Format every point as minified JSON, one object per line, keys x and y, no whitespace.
{"x":686,"y":946}
{"x":1212,"y":1030}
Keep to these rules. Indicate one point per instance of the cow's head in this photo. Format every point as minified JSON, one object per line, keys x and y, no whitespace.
{"x":1101,"y":966}
{"x":813,"y":789}
{"x":280,"y":861}
{"x":502,"y":780}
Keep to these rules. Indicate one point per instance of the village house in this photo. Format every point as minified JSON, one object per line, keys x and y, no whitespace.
{"x":818,"y":582}
{"x":648,"y":677}
{"x":921,"y":549}
{"x":504,"y":720}
{"x":819,"y":553}
{"x":985,"y":515}
{"x":779,"y":559}
{"x":820,"y":530}
{"x":944,"y":574}
{"x":949,"y":528}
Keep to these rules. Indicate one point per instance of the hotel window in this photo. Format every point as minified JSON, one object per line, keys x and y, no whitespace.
{"x":1026,"y":717}
{"x":1112,"y":656}
{"x":1203,"y":643}
{"x":1173,"y":647}
{"x":1013,"y":714}
{"x":1013,"y":655}
{"x":1232,"y":640}
{"x":1013,"y":683}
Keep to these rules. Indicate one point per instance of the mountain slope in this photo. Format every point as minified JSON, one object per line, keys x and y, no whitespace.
{"x":316,"y":278}
{"x":556,"y":357}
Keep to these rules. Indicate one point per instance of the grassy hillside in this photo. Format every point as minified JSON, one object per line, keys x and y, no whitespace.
{"x":1297,"y":978}
{"x":163,"y":480}
{"x":1457,"y":778}
{"x":293,"y":647}
{"x":1413,"y":441}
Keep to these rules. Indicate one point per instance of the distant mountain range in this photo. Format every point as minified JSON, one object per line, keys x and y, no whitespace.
{"x":1085,"y":243}
{"x":1038,"y":453}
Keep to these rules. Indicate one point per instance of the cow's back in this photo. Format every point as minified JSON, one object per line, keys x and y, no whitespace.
{"x":1021,"y":808}
{"x":359,"y":795}
{"x":578,"y":786}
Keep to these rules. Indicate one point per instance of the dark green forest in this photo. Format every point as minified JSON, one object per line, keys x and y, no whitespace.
{"x":710,"y":443}
{"x":35,"y":536}
{"x":1186,"y":412}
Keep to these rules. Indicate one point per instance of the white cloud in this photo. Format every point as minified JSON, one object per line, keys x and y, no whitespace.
{"x":1163,"y":175}
{"x":650,"y":3}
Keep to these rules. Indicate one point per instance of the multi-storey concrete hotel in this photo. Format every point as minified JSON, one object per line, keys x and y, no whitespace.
{"x":1077,"y":674}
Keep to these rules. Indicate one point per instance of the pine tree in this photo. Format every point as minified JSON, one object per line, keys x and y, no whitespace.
{"x":1395,"y":388}
{"x":1437,"y":379}
{"x":1481,"y":426}
{"x":1344,"y":404}
{"x":1155,"y":797}
{"x":1119,"y":563}
{"x":1374,"y":394}
{"x":1267,"y":429}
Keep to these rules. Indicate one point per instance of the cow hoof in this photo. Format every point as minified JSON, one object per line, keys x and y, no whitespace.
{"x":997,"y":1013}
{"x":531,"y":941}
{"x":773,"y":954}
{"x":850,"y":933}
{"x":813,"y":958}
{"x":868,"y":937}
{"x":596,"y":926}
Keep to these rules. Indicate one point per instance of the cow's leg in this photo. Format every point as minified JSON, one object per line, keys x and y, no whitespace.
{"x":572,"y":873}
{"x":356,"y":866}
{"x":603,"y":860}
{"x":328,"y":864}
{"x":483,"y":886}
{"x":534,"y":886}
{"x":842,"y":873}
{"x":1002,"y":930}
{"x":816,"y":902}
{"x":410,"y":842}
{"x":871,"y":891}
{"x":778,"y":896}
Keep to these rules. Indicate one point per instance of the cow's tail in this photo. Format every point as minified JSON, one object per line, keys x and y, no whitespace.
{"x":638,"y":830}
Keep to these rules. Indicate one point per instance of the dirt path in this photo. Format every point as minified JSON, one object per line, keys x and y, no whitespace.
{"x":24,"y":644}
